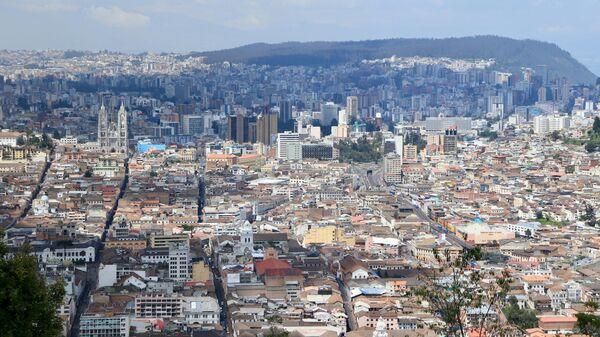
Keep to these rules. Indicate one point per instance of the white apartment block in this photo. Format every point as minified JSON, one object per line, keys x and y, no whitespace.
{"x":548,"y":124}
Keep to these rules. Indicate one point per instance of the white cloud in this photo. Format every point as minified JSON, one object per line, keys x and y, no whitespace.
{"x":114,"y":16}
{"x":248,"y":22}
{"x":44,"y":5}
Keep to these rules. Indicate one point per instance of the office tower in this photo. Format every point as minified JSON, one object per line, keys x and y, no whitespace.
{"x":113,"y":137}
{"x":285,"y":111}
{"x":329,"y":112}
{"x":392,"y":168}
{"x":319,"y":151}
{"x":266,"y":127}
{"x":542,"y":94}
{"x":192,"y":124}
{"x":352,"y":106}
{"x":399,"y":144}
{"x":237,"y":128}
{"x":542,"y":71}
{"x":342,"y":117}
{"x":179,"y":262}
{"x":283,"y":139}
{"x":411,"y":153}
{"x":495,"y":106}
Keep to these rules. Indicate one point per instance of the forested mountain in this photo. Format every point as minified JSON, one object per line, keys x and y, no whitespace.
{"x":510,"y":54}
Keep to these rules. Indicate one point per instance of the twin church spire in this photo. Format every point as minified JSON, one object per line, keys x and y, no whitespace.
{"x":113,"y":137}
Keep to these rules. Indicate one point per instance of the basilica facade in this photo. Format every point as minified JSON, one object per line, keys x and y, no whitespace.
{"x":112,"y":135}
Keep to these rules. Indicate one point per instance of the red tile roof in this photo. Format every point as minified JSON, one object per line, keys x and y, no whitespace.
{"x":271,"y":264}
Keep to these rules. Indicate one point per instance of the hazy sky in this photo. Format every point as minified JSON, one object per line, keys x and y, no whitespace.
{"x":198,"y":25}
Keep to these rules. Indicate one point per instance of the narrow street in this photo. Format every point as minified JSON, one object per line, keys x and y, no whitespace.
{"x":35,"y":192}
{"x":352,"y":325}
{"x":92,"y":268}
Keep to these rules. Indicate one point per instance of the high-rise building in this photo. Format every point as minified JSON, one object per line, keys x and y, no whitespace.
{"x":547,"y":124}
{"x":266,"y":127}
{"x":192,"y":124}
{"x":283,"y":139}
{"x":399,"y":144}
{"x":285,"y":111}
{"x":237,"y":128}
{"x":352,"y":106}
{"x":542,"y":94}
{"x":113,"y":137}
{"x":179,"y":262}
{"x":392,"y":168}
{"x":329,"y":112}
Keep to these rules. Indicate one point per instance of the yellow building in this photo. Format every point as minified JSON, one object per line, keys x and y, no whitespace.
{"x":327,"y":235}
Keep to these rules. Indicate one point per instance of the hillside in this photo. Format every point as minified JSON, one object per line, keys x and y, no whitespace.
{"x":510,"y":54}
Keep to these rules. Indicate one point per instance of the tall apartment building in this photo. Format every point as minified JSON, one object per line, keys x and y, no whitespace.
{"x":283,"y":139}
{"x":329,"y":112}
{"x":392,"y":168}
{"x":547,"y":124}
{"x":179,"y":262}
{"x":266,"y":127}
{"x":352,"y":106}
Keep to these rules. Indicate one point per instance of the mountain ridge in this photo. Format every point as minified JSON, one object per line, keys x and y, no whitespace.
{"x":510,"y":54}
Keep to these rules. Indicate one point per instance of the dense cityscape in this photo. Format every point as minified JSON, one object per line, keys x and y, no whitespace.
{"x":163,"y":195}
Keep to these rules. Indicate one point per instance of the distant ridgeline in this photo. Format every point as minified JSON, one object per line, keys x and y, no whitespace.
{"x":509,"y":54}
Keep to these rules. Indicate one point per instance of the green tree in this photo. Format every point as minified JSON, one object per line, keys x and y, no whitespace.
{"x":589,"y":215}
{"x":28,"y":304}
{"x":456,"y":288}
{"x":588,"y":324}
{"x":521,"y":318}
{"x":596,"y":125}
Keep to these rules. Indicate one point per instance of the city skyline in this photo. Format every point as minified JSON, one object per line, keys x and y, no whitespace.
{"x":202,"y":25}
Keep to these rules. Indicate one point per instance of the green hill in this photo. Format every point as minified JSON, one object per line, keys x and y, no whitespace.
{"x":510,"y":54}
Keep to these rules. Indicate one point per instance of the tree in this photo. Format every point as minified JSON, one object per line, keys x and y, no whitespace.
{"x":28,"y":304}
{"x":589,"y":215}
{"x":539,"y":215}
{"x":56,"y":135}
{"x":528,"y":232}
{"x":88,"y":173}
{"x":456,"y":288}
{"x":588,"y":324}
{"x":521,"y":318}
{"x":596,"y":125}
{"x":20,"y":141}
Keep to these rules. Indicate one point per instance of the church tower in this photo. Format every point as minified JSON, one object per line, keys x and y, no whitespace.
{"x":380,"y":329}
{"x":122,"y":129}
{"x":246,"y":238}
{"x":103,"y":126}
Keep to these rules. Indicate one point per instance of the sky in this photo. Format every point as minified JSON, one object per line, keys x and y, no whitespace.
{"x":200,"y":25}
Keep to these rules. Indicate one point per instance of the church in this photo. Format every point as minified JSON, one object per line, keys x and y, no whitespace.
{"x":112,"y":137}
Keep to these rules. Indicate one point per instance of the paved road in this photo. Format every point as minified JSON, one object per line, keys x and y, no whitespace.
{"x":374,"y":181}
{"x":35,"y":192}
{"x":92,"y":272}
{"x":352,"y":325}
